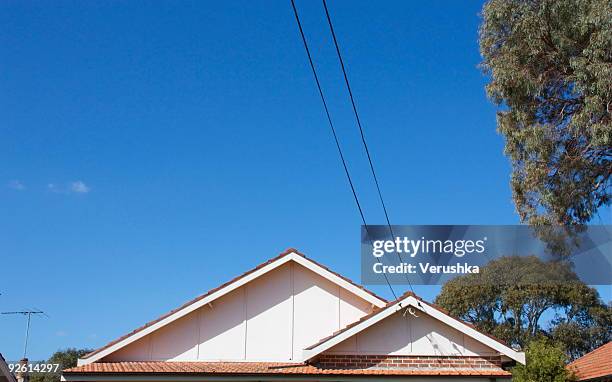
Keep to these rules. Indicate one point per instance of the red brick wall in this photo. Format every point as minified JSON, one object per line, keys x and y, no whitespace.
{"x":338,"y":361}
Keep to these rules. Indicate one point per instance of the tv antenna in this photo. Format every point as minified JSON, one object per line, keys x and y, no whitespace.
{"x":28,"y":314}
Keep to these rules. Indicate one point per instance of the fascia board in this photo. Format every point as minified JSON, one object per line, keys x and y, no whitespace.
{"x":185,"y":311}
{"x":227,"y":289}
{"x":435,"y":313}
{"x":338,"y":280}
{"x":469,"y":331}
{"x":309,"y":353}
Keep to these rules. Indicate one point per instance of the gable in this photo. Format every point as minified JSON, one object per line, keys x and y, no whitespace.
{"x":405,"y":334}
{"x":273,"y":317}
{"x":386,"y":332}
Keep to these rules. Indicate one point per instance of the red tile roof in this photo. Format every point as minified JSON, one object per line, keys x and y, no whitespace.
{"x":285,"y":253}
{"x":265,"y":368}
{"x":595,"y":364}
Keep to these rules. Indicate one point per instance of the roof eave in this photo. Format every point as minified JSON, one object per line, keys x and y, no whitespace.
{"x":272,"y":377}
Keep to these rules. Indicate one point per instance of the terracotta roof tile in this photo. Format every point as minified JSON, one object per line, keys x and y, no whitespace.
{"x":283,"y":254}
{"x":595,"y":364}
{"x":255,"y":368}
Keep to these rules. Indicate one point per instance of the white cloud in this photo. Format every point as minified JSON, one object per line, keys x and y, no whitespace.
{"x":75,"y":187}
{"x":16,"y":185}
{"x":61,"y":333}
{"x":79,"y":187}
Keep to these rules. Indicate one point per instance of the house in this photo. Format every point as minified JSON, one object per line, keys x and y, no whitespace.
{"x":594,"y":366}
{"x":292,"y":318}
{"x":5,"y":371}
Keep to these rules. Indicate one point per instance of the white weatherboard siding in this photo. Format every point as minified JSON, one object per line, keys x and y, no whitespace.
{"x":269,"y":316}
{"x":424,"y":330}
{"x":351,"y":308}
{"x":177,"y":340}
{"x":272,"y":318}
{"x":409,"y":335}
{"x":224,"y":323}
{"x":325,"y":300}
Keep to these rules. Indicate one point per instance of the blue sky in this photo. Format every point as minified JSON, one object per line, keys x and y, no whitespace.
{"x":152,"y":152}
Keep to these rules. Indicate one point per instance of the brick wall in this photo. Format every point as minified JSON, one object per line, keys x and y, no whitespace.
{"x":338,"y":361}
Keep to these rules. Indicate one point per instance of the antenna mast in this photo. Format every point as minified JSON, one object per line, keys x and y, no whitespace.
{"x":28,"y":314}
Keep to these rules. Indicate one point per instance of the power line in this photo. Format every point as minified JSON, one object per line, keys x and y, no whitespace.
{"x":333,"y":129}
{"x":363,"y":140}
{"x":348,"y":86}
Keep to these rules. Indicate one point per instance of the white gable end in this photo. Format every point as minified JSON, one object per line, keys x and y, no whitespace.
{"x":401,"y":334}
{"x":271,"y":318}
{"x":410,"y":326}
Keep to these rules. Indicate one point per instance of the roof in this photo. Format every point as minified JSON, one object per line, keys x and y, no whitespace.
{"x":5,"y":371}
{"x":261,"y":368}
{"x":595,"y":364}
{"x":406,"y":300}
{"x":211,"y":295}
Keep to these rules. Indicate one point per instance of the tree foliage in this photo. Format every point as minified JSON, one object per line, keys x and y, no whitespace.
{"x":583,"y":330}
{"x":550,"y":65}
{"x":545,"y":363}
{"x":510,"y":296}
{"x":65,"y":358}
